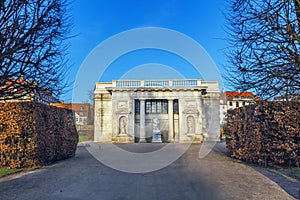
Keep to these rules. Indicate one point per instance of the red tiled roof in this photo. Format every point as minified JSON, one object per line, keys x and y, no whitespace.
{"x":246,"y":95}
{"x":20,"y":87}
{"x":62,"y":105}
{"x":76,"y":107}
{"x":9,"y":85}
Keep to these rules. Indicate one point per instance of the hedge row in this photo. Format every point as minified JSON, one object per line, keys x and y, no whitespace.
{"x":267,"y":133}
{"x":34,"y":134}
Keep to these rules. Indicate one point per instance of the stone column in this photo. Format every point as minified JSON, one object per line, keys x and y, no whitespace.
{"x":142,"y":120}
{"x":171,"y":120}
{"x":133,"y":119}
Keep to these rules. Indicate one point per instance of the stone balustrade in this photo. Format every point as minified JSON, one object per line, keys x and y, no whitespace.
{"x":157,"y":83}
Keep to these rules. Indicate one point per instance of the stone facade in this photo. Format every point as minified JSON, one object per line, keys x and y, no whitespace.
{"x":131,"y":110}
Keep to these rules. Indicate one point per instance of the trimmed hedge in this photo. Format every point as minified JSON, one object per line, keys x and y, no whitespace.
{"x":34,"y":134}
{"x":267,"y":133}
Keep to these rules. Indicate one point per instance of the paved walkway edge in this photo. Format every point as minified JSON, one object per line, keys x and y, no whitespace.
{"x":290,"y":185}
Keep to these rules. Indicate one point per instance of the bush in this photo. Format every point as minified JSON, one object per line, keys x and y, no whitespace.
{"x":33,"y":134}
{"x":266,"y":133}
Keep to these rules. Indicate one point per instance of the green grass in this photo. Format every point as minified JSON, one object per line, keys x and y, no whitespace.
{"x":293,"y":172}
{"x":5,"y":172}
{"x":83,"y":138}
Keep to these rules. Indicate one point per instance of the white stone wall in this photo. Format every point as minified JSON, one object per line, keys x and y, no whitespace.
{"x":115,"y":118}
{"x":103,"y":113}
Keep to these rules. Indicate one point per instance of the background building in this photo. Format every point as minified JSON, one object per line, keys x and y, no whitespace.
{"x":294,"y":97}
{"x":230,"y":100}
{"x":238,"y":99}
{"x":83,"y":116}
{"x":16,"y":92}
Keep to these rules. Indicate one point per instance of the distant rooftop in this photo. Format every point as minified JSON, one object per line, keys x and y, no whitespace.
{"x":230,"y":95}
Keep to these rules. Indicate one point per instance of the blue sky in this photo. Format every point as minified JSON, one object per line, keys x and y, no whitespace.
{"x":96,"y":21}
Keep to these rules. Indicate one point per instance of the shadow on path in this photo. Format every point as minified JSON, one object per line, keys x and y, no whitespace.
{"x":290,"y":185}
{"x":214,"y":177}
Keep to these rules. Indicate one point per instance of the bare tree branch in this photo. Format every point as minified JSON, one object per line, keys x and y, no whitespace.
{"x":264,"y":46}
{"x":33,"y":43}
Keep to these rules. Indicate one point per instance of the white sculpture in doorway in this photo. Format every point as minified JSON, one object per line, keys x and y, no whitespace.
{"x":156,"y":134}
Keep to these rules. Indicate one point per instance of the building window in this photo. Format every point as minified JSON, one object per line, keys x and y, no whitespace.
{"x":157,"y":106}
{"x":237,"y":104}
{"x":230,"y":103}
{"x":244,"y":103}
{"x":176,"y":107}
{"x":81,"y":108}
{"x":137,"y":106}
{"x":81,"y":113}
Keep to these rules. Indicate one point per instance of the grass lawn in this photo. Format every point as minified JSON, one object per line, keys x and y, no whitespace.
{"x":5,"y":172}
{"x":293,"y":172}
{"x":83,"y":138}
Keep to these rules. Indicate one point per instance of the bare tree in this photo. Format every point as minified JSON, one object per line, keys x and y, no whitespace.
{"x":33,"y":43}
{"x":264,"y":46}
{"x":90,"y":95}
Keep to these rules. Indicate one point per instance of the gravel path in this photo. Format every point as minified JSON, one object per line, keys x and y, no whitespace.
{"x":83,"y":177}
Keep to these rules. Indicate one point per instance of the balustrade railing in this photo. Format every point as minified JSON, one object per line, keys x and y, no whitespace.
{"x":128,"y":83}
{"x":184,"y":83}
{"x":157,"y":83}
